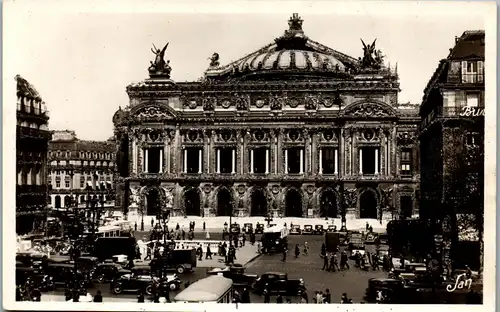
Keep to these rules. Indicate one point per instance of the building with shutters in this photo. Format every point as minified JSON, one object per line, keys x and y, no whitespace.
{"x":80,"y":170}
{"x":292,"y":129}
{"x":32,"y":137}
{"x":451,"y":135}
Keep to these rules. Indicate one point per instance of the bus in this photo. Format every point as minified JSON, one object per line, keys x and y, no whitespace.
{"x":109,"y":231}
{"x":212,"y":289}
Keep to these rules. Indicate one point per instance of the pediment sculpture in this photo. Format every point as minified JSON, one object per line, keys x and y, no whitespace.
{"x":368,"y":110}
{"x":152,"y":112}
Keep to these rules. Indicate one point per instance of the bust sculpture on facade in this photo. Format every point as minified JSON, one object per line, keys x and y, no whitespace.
{"x":159,"y":67}
{"x":214,"y":60}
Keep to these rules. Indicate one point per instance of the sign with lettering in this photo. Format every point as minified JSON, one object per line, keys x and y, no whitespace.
{"x":63,"y":136}
{"x":470,"y":111}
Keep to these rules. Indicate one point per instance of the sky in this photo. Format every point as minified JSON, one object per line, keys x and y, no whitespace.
{"x":81,"y":61}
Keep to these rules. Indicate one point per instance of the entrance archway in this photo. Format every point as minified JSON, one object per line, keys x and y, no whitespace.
{"x":153,"y":202}
{"x":57,"y":201}
{"x":192,"y":202}
{"x":328,"y":204}
{"x":368,"y":205}
{"x":293,"y":204}
{"x":224,"y":202}
{"x":258,"y":203}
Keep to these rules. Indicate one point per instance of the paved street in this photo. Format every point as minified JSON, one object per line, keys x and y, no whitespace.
{"x":353,"y":281}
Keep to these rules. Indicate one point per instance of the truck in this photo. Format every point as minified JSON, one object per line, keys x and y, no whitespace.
{"x":274,"y":239}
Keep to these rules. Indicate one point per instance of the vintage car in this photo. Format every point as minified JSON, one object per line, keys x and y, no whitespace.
{"x":318,"y":229}
{"x":64,"y":273}
{"x":384,"y":290}
{"x":237,"y":274}
{"x":248,"y":228}
{"x":382,"y":251}
{"x":331,"y":228}
{"x":308,"y":230}
{"x":106,"y":272}
{"x":358,"y":250}
{"x":278,"y":283}
{"x":295,"y":230}
{"x":35,"y":276}
{"x":370,"y":238}
{"x":143,"y":283}
{"x":259,"y":228}
{"x":235,"y":228}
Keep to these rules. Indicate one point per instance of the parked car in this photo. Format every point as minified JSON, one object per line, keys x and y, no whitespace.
{"x":278,"y":283}
{"x":259,"y":228}
{"x":107,"y":272}
{"x":248,"y":228}
{"x":308,"y":230}
{"x":295,"y":230}
{"x":235,"y":228}
{"x":237,"y":274}
{"x":318,"y":230}
{"x":331,"y":228}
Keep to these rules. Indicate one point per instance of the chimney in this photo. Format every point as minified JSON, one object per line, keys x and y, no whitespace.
{"x":456,"y":39}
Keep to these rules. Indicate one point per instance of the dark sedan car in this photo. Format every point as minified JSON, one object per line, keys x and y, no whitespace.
{"x":143,"y":283}
{"x":278,"y":283}
{"x":236,"y":274}
{"x":319,"y":230}
{"x":308,"y":230}
{"x":37,"y":277}
{"x":107,"y":272}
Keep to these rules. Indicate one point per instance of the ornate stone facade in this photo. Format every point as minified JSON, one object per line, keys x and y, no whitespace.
{"x":229,"y":143}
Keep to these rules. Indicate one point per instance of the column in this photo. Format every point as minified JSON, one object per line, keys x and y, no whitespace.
{"x":184,"y":169}
{"x":134,"y":156}
{"x":301,"y":161}
{"x":376,"y":161}
{"x":200,"y":160}
{"x":218,"y":160}
{"x":286,"y":161}
{"x":251,"y":160}
{"x":267,"y":160}
{"x":336,"y":161}
{"x":320,"y":161}
{"x":146,"y":160}
{"x":360,"y":155}
{"x":233,"y":159}
{"x":161,"y":161}
{"x":167,"y":155}
{"x":342,"y":152}
{"x":389,"y":155}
